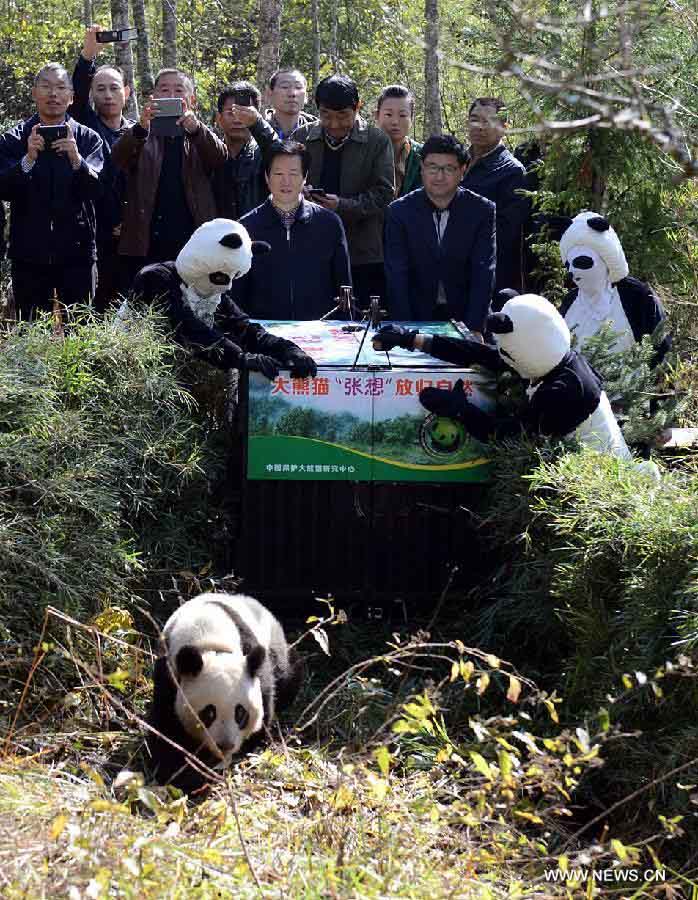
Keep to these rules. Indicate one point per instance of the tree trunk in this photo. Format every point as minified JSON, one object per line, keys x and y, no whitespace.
{"x":595,"y":139}
{"x":169,"y":34}
{"x":270,"y":12}
{"x":432,"y":95}
{"x":123,"y":54}
{"x":334,"y":47}
{"x":87,"y":14}
{"x":315,"y":16}
{"x":145,"y":66}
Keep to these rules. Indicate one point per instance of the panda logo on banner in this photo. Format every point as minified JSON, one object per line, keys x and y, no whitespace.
{"x":442,"y":438}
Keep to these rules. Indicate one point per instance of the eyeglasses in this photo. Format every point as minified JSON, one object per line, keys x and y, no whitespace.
{"x":433,"y":169}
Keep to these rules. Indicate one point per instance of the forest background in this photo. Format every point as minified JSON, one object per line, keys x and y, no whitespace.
{"x":421,"y":766}
{"x":608,"y":88}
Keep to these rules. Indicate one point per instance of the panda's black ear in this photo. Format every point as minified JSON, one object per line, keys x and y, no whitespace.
{"x":188,"y":661}
{"x":255,"y":658}
{"x":499,"y":323}
{"x":233,"y":240}
{"x":598,"y":223}
{"x":501,"y":297}
{"x":260,"y":247}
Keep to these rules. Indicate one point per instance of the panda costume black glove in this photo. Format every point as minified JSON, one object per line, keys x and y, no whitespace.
{"x":259,"y":362}
{"x":455,"y":405}
{"x":394,"y":335}
{"x":300,"y":364}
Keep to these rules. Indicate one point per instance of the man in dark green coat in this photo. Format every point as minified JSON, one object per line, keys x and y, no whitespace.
{"x":351,"y":173}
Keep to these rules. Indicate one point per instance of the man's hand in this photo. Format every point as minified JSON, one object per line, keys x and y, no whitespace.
{"x":329,"y":201}
{"x":90,"y":47}
{"x":68,"y":147}
{"x":188,"y":121}
{"x":35,"y":144}
{"x":394,"y":335}
{"x":300,"y":364}
{"x":148,"y":114}
{"x":258,"y":362}
{"x":245,"y":115}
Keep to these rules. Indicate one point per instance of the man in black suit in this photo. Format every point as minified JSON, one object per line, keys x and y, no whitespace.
{"x":440,"y":247}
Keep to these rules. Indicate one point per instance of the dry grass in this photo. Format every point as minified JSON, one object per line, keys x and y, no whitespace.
{"x":407,"y":804}
{"x":311,"y":828}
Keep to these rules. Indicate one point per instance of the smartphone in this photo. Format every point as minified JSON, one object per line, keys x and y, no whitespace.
{"x":51,"y":133}
{"x":167,"y":111}
{"x":116,"y":36}
{"x":318,"y":192}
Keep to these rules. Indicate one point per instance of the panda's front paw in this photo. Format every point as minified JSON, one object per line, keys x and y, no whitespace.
{"x":301,"y":365}
{"x":258,"y":362}
{"x":453,"y":404}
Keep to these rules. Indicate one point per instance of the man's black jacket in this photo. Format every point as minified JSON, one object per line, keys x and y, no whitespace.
{"x":498,"y":176}
{"x":108,"y":206}
{"x":52,"y":214}
{"x":305,"y":269}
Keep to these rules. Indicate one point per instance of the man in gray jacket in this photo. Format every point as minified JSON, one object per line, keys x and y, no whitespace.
{"x":351,"y":173}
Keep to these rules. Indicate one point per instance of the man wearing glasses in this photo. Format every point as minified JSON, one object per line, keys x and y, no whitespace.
{"x":494,"y":173}
{"x":440,"y":248}
{"x":49,"y":171}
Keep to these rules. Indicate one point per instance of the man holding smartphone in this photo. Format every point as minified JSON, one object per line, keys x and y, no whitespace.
{"x":352,"y":174}
{"x":167,"y":165}
{"x":49,"y":171}
{"x":239,"y":184}
{"x":100,"y":96}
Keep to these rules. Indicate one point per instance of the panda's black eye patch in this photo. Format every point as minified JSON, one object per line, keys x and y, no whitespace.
{"x":241,"y":715}
{"x":218,"y":278}
{"x":583,"y":262}
{"x":208,"y":715}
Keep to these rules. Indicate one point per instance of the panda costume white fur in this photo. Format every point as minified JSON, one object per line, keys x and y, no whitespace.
{"x":193,"y":291}
{"x":566,"y":396}
{"x":603,"y":291}
{"x":225,"y":671}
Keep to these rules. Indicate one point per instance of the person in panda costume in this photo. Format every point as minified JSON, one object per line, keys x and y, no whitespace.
{"x":603,"y":290}
{"x":224,"y":673}
{"x":194,"y":292}
{"x":565,"y":394}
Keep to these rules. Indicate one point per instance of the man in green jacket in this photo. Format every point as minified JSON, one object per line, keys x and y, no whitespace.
{"x":351,"y":173}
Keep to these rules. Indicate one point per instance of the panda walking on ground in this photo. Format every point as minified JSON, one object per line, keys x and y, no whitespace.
{"x":225,"y":672}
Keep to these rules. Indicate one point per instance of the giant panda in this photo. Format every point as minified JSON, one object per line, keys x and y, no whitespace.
{"x":225,"y":671}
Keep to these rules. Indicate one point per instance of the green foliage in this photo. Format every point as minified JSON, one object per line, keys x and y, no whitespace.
{"x":98,"y":444}
{"x":643,"y":395}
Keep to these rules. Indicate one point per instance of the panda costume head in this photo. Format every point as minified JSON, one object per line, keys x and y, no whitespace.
{"x":592,"y":253}
{"x":225,"y":670}
{"x":215,"y":255}
{"x":531,"y":335}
